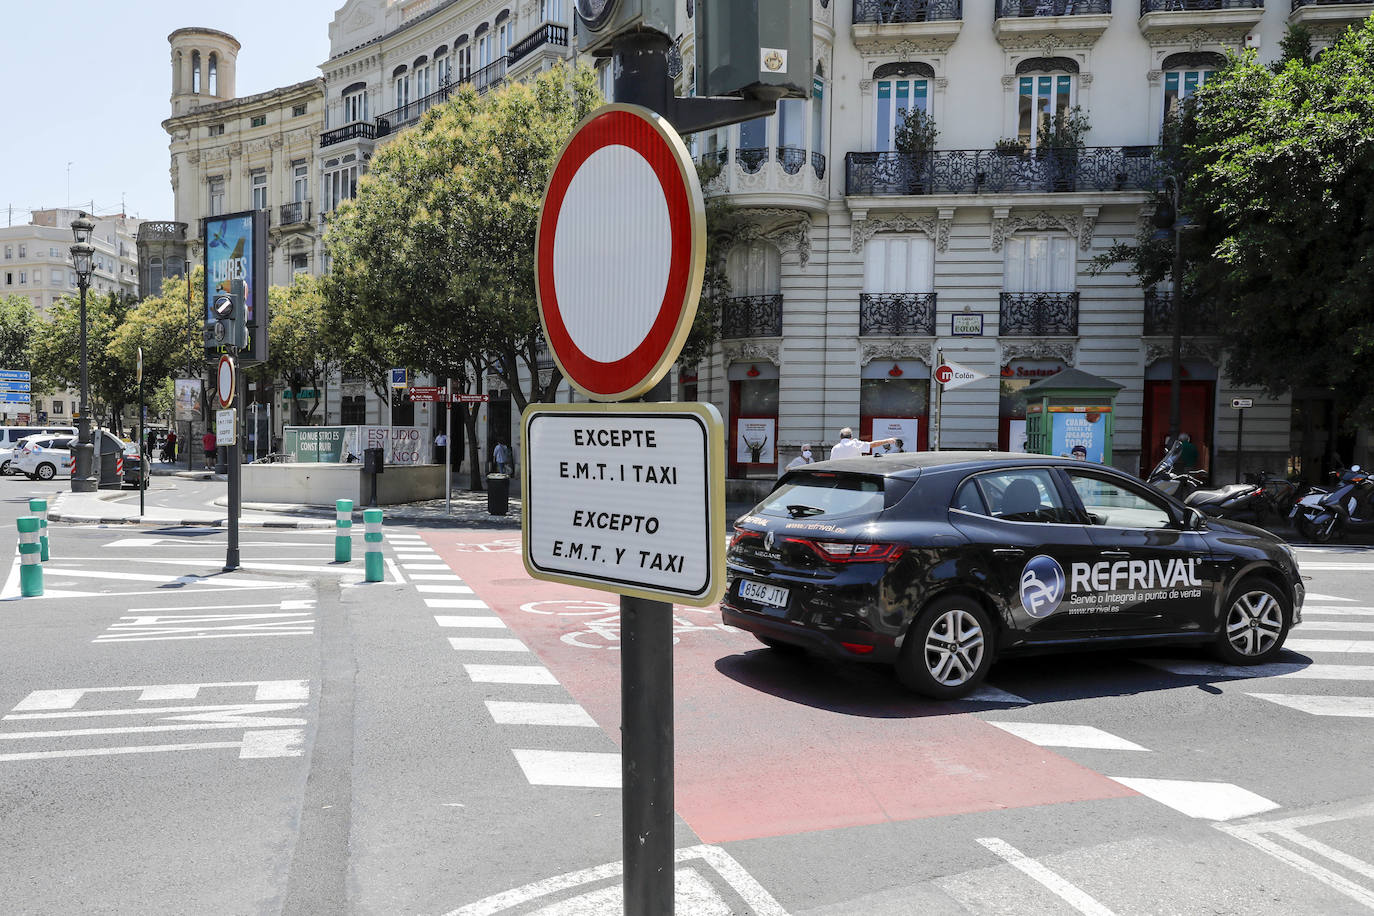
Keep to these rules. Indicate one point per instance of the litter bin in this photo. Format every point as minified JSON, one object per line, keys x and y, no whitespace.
{"x":374,"y":463}
{"x":498,"y":494}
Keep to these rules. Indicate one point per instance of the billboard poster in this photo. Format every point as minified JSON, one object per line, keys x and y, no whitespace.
{"x":906,"y":430}
{"x":754,"y":440}
{"x":316,"y":443}
{"x":402,"y":444}
{"x":187,"y":397}
{"x":236,"y":266}
{"x":1079,"y":429}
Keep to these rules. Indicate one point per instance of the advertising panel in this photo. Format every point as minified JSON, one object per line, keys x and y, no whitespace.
{"x":187,"y":392}
{"x":906,"y":430}
{"x":317,"y":443}
{"x":403,"y":444}
{"x":754,"y":440}
{"x":1078,"y":429}
{"x":236,"y":266}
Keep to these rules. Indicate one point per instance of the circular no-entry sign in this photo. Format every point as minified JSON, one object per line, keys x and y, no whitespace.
{"x":620,"y":252}
{"x":224,"y":378}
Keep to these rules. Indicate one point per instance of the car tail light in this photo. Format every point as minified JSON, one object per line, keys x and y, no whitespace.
{"x":857,"y":648}
{"x":741,"y":535}
{"x":850,"y":552}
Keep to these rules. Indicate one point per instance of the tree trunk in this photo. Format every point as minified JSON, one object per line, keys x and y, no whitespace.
{"x":469,"y":418}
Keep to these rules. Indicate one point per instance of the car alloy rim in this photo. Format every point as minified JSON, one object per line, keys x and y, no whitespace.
{"x":954,"y":648}
{"x":1254,"y":623}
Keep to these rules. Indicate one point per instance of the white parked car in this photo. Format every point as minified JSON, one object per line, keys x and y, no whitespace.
{"x":43,"y":457}
{"x":11,"y":436}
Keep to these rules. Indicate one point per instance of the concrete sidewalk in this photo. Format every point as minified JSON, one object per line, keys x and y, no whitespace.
{"x":100,"y":508}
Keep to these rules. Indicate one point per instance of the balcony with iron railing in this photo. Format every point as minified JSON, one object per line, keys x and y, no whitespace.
{"x":1038,"y":315}
{"x":548,"y":35}
{"x":880,"y":24}
{"x":897,"y":314}
{"x":1198,"y":319}
{"x":762,"y":175}
{"x":751,"y":316}
{"x":1161,"y":19}
{"x":489,"y":76}
{"x":1329,"y":12}
{"x":1096,"y":168}
{"x":411,"y":112}
{"x":1023,"y":20}
{"x":360,"y":130}
{"x":295,"y":212}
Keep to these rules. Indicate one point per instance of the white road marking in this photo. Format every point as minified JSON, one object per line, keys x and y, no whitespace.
{"x":1313,"y":596}
{"x":1316,"y":672}
{"x":510,"y":674}
{"x":561,"y":714}
{"x":1081,"y":736}
{"x":1321,"y":611}
{"x":1353,"y":707}
{"x":986,"y":694}
{"x":569,"y":768}
{"x":444,"y":589}
{"x":424,"y":566}
{"x":222,"y":712}
{"x":480,"y":644}
{"x":221,"y":580}
{"x":435,"y":577}
{"x":208,"y":626}
{"x":1336,"y":567}
{"x":1213,"y":801}
{"x":1288,"y":829}
{"x":395,"y":570}
{"x":1052,"y":882}
{"x":278,"y":747}
{"x":266,"y":691}
{"x":1344,"y":626}
{"x":492,"y":623}
{"x":1330,"y":645}
{"x":404,"y":537}
{"x":689,"y":898}
{"x":457,"y":603}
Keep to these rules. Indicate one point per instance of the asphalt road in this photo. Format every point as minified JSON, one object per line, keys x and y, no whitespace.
{"x":289,"y":739}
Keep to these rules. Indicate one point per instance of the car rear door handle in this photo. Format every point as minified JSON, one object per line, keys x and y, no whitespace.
{"x":1120,"y":554}
{"x":1008,"y":552}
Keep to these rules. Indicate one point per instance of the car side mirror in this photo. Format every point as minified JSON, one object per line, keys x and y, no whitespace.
{"x":1194,"y":520}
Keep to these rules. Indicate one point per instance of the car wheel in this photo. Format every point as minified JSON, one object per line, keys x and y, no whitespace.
{"x":45,"y":471}
{"x":1254,"y":625}
{"x":781,"y":647}
{"x":5,"y":466}
{"x":948,"y":649}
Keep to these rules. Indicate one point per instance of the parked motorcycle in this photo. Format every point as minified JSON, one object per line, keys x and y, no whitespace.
{"x":1241,"y":501}
{"x":1348,"y":507}
{"x":1177,"y":484}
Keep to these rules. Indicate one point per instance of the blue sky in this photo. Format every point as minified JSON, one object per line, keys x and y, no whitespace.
{"x":88,"y":82}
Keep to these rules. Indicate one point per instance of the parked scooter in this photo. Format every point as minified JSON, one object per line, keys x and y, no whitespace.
{"x":1349,"y":507}
{"x":1177,"y":484}
{"x":1241,"y":501}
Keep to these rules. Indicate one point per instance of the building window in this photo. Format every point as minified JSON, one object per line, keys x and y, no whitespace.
{"x":216,"y":196}
{"x":52,"y":253}
{"x":215,"y":130}
{"x":299,"y":265}
{"x":792,"y":123}
{"x":354,"y":410}
{"x":1040,"y":99}
{"x":195,"y":72}
{"x":483,"y":51}
{"x":605,"y":79}
{"x":56,"y":276}
{"x":754,"y":270}
{"x":899,"y":264}
{"x":355,"y":106}
{"x":57,"y":407}
{"x":9,"y":252}
{"x":818,"y":116}
{"x":895,"y":98}
{"x":23,"y":251}
{"x":258,"y":121}
{"x":502,"y":39}
{"x":300,"y":181}
{"x":214,"y":74}
{"x":23,"y":277}
{"x":1041,"y":263}
{"x":297,"y":111}
{"x":259,"y":179}
{"x":71,"y":279}
{"x":422,"y":87}
{"x":9,"y":278}
{"x":441,"y":65}
{"x":339,"y":185}
{"x":551,"y":10}
{"x":1179,"y":85}
{"x":402,"y":90}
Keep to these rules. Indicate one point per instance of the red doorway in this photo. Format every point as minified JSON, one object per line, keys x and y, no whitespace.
{"x":1195,"y":404}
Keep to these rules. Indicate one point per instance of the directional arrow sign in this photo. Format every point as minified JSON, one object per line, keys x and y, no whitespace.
{"x":952,"y":375}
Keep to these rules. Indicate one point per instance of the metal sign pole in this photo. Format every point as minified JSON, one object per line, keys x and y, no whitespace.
{"x":1240,"y":439}
{"x":143,"y":450}
{"x":939,"y":404}
{"x":448,"y":445}
{"x":646,"y":754}
{"x":231,"y":555}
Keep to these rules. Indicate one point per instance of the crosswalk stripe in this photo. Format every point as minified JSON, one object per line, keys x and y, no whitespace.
{"x":444,"y":589}
{"x":436,"y":577}
{"x":1344,"y":626}
{"x":413,"y":565}
{"x":569,"y":768}
{"x":473,"y":604}
{"x":987,"y":694}
{"x":1353,"y":707}
{"x":510,"y":674}
{"x":1317,"y":672}
{"x":1213,"y":801}
{"x":481,"y":644}
{"x":1313,"y":596}
{"x":1330,"y":645}
{"x":561,"y":714}
{"x":1055,"y":735}
{"x":1322,"y":611}
{"x":485,"y":623}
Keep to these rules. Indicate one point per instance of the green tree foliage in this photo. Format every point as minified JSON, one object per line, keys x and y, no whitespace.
{"x":57,"y":354}
{"x":301,"y":352}
{"x":17,"y":325}
{"x":1279,"y":169}
{"x":161,"y":325}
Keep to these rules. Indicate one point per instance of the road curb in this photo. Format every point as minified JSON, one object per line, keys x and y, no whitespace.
{"x":186,"y":523}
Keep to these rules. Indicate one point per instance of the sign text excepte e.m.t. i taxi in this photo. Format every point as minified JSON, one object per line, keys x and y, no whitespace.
{"x":623,"y":497}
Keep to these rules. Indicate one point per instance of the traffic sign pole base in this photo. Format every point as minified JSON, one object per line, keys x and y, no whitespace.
{"x":31,"y":581}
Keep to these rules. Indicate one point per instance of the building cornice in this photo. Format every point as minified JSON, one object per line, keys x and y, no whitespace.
{"x":272,"y":98}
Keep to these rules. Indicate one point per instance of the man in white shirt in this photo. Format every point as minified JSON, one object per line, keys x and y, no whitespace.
{"x":849,"y":447}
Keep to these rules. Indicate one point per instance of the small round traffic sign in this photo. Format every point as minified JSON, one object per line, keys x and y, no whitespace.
{"x":620,"y":252}
{"x":943,"y":374}
{"x":224,"y":377}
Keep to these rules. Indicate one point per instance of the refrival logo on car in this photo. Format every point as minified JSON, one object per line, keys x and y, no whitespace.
{"x":1042,"y":586}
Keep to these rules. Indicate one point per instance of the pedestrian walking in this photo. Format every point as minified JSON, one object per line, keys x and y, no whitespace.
{"x":849,"y":447}
{"x":169,"y":447}
{"x":801,"y":460}
{"x":208,"y":443}
{"x":501,"y":456}
{"x":440,"y":448}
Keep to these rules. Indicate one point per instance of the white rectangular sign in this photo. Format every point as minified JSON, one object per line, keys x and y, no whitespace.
{"x":754,"y":441}
{"x":626,"y":498}
{"x":226,"y":427}
{"x":907,"y":432}
{"x":1242,"y":403}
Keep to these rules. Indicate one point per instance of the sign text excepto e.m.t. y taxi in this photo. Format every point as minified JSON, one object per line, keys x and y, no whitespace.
{"x":626,"y":498}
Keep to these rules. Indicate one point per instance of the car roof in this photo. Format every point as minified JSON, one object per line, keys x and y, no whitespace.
{"x":911,"y":464}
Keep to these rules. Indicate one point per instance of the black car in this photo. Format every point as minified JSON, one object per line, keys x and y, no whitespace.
{"x":939,"y":562}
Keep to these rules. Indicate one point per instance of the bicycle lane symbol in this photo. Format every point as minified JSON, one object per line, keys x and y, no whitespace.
{"x":602,"y":631}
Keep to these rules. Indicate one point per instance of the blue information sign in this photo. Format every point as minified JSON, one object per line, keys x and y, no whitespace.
{"x":14,"y":397}
{"x":7,"y":385}
{"x":400,"y":378}
{"x":15,"y":375}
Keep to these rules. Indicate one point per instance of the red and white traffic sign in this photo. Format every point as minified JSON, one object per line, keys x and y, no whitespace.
{"x":458,"y":398}
{"x":620,"y":252}
{"x":419,"y":393}
{"x":224,"y":377}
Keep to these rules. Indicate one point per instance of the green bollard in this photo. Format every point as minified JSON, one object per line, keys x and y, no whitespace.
{"x":343,"y":530}
{"x":372,"y":545}
{"x":39,"y":507}
{"x":31,"y":570}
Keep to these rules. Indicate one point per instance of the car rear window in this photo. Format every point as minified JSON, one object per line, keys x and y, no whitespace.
{"x":825,"y":495}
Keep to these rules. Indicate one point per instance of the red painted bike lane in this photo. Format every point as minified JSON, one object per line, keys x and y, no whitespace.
{"x":768,"y":745}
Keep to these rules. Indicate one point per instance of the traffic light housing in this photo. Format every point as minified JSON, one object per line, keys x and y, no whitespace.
{"x":598,"y":22}
{"x":754,"y":49}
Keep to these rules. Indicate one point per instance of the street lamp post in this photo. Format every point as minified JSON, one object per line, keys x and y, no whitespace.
{"x":83,"y":480}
